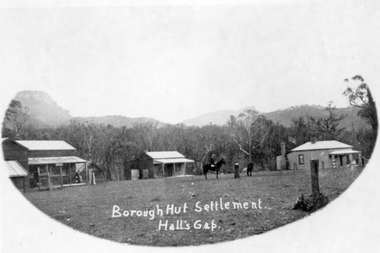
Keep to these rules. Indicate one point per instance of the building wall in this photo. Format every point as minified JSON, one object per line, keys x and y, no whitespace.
{"x":20,"y":183}
{"x":180,"y":169}
{"x":321,"y":155}
{"x":325,"y":160}
{"x":143,"y":163}
{"x":51,"y":153}
{"x":13,"y":152}
{"x":169,"y":170}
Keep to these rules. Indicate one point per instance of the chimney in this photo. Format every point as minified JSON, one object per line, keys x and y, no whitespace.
{"x":313,"y":140}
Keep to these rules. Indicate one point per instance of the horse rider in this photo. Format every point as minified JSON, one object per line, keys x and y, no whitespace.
{"x":212,"y":161}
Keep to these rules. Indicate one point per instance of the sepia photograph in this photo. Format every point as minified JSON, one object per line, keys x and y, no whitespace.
{"x":207,"y":126}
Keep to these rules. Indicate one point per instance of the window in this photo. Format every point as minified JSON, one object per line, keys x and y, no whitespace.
{"x":301,"y":159}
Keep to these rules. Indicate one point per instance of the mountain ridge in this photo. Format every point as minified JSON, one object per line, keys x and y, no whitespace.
{"x":46,"y":112}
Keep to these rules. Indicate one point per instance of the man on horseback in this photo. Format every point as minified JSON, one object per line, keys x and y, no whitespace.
{"x":213,"y":166}
{"x":212,"y":161}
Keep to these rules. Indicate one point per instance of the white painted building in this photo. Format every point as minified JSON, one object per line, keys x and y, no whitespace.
{"x":330,"y":154}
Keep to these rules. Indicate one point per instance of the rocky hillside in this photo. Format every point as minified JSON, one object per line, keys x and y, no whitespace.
{"x":46,"y":112}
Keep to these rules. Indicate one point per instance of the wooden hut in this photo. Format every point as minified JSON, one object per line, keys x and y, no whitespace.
{"x":48,"y":164}
{"x":158,"y":164}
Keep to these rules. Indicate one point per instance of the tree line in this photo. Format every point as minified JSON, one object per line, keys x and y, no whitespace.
{"x":249,"y":137}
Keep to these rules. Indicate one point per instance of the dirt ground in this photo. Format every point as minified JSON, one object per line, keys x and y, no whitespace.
{"x":140,"y":211}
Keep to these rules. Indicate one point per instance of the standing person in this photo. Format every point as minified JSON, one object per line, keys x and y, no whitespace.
{"x":237,"y":175}
{"x":249,"y":169}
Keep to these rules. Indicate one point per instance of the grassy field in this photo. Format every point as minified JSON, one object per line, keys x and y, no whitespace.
{"x":266,"y":199}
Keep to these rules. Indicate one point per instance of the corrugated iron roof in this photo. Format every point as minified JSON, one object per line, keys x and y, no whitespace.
{"x":321,"y":145}
{"x":15,"y":169}
{"x":55,"y":160}
{"x":46,"y":145}
{"x":173,"y":160}
{"x":165,"y":154}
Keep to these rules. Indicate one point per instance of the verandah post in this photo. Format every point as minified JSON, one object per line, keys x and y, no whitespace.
{"x":85,"y":164}
{"x":48,"y":176}
{"x":60,"y":171}
{"x":39,"y":178}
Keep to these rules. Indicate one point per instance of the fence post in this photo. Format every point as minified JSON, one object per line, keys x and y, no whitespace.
{"x":314,"y":178}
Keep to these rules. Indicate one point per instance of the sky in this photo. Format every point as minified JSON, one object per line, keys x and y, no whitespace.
{"x":176,"y":62}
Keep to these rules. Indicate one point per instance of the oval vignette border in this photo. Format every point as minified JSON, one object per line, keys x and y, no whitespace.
{"x":349,"y":223}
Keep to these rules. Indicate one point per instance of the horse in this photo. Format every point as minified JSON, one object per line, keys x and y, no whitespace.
{"x":208,"y":167}
{"x":249,"y":169}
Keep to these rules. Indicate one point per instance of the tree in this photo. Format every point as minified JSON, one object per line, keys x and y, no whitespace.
{"x":15,"y":124}
{"x":147,"y":132}
{"x":249,"y":131}
{"x":361,"y":97}
{"x":330,"y":126}
{"x":321,"y":128}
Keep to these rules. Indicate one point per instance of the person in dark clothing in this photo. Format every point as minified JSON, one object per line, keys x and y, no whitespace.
{"x":237,"y":175}
{"x":249,"y":169}
{"x":212,"y":160}
{"x":78,"y":178}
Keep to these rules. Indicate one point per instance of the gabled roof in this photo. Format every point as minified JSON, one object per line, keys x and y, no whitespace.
{"x":322,"y":145}
{"x":173,"y":160}
{"x":45,"y":145}
{"x":168,"y":157}
{"x":81,"y":166}
{"x":15,"y":169}
{"x":165,"y":154}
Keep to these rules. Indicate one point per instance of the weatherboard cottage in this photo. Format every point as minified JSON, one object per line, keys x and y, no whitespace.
{"x":330,"y":154}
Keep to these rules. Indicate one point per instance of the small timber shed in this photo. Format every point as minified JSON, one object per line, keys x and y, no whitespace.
{"x":92,"y":168}
{"x":48,"y":164}
{"x":159,"y":164}
{"x":330,"y":154}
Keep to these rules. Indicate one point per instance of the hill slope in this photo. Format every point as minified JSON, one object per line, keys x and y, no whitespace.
{"x":285,"y":116}
{"x":46,"y":112}
{"x":118,"y":121}
{"x":217,"y":118}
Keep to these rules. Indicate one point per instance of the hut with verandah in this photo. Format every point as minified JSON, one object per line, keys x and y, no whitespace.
{"x":48,"y":164}
{"x":330,"y":154}
{"x":158,"y":164}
